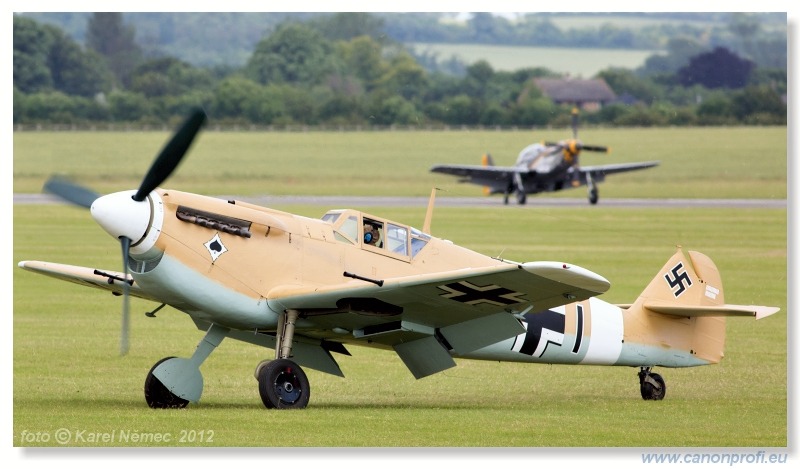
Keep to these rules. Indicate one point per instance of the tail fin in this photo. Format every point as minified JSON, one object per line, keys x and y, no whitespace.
{"x":684,"y":307}
{"x":487,"y":160}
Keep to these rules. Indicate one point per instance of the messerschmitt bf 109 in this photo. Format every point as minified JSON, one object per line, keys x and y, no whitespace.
{"x":308,"y":287}
{"x":542,"y":167}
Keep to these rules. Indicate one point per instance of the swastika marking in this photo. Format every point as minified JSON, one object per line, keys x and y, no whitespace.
{"x":679,"y":281}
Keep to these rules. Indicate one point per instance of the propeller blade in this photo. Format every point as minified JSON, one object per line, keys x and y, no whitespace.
{"x":594,"y":148}
{"x":575,"y":123}
{"x":171,"y":155}
{"x":124,"y":342}
{"x":71,"y":192}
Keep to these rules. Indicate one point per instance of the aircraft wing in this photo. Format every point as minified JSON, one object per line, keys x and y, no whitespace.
{"x":492,"y":176}
{"x":599,"y":172}
{"x":466,"y":309}
{"x":108,"y":280}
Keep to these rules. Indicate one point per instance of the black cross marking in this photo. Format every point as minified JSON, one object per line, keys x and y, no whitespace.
{"x":472,"y":294}
{"x":538,"y":323}
{"x":677,"y":280}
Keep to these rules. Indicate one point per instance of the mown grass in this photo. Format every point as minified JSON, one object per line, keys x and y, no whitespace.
{"x":746,"y":162}
{"x":67,"y":373}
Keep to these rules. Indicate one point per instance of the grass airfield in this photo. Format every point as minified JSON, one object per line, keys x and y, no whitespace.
{"x":67,"y":374}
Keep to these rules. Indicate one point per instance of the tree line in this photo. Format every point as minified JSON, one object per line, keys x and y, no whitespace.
{"x":343,"y":70}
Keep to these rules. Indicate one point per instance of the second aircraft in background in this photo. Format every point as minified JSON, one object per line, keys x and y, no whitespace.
{"x":542,"y":167}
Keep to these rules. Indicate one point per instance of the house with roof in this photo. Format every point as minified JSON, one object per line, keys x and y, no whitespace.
{"x":587,"y":95}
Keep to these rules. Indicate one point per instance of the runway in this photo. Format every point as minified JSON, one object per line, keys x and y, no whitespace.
{"x":441,"y":201}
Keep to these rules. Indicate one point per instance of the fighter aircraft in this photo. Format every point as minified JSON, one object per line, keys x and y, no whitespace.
{"x":307,"y":288}
{"x":542,"y":167}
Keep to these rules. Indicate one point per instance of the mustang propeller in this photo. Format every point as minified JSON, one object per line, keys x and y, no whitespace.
{"x":575,"y":146}
{"x":125,"y":215}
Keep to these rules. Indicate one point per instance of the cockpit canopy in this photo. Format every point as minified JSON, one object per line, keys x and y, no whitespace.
{"x":376,"y":234}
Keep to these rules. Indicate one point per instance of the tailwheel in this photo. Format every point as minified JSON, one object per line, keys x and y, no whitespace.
{"x":157,"y":395}
{"x":282,"y":384}
{"x":651,"y":385}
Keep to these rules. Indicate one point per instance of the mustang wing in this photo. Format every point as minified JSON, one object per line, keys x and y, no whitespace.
{"x":425,"y":318}
{"x":102,"y":279}
{"x":599,"y":172}
{"x":496,"y":177}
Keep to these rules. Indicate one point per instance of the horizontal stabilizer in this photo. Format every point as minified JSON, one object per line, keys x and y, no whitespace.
{"x":716,"y":311}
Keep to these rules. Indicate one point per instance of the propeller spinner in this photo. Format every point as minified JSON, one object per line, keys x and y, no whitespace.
{"x":127,"y":215}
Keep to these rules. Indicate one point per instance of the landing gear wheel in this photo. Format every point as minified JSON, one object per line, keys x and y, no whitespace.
{"x":521,"y":197}
{"x":652,"y":386}
{"x":157,"y":395}
{"x":283,"y":385}
{"x":593,"y":196}
{"x":505,"y":198}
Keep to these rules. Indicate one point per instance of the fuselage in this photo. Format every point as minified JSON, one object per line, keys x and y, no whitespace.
{"x":224,"y":261}
{"x":590,"y":332}
{"x":228,"y":263}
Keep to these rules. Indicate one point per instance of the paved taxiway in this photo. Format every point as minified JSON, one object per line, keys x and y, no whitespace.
{"x":443,"y":201}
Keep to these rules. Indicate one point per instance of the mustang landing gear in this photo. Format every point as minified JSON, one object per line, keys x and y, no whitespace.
{"x":594,"y":196}
{"x":651,"y":385}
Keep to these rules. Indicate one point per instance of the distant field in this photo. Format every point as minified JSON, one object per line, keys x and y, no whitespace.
{"x":567,"y":22}
{"x":695,"y":162}
{"x":577,"y":62}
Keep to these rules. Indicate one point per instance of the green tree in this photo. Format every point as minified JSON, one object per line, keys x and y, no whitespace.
{"x":716,"y":109}
{"x":31,"y":51}
{"x":362,"y":57}
{"x":47,"y":59}
{"x":759,"y":105}
{"x":234,"y":96}
{"x":679,"y":51}
{"x":624,"y":82}
{"x":392,"y":110}
{"x":349,"y":25}
{"x":75,"y":71}
{"x":129,"y":107}
{"x":719,"y":68}
{"x":404,"y":77}
{"x":168,"y":76}
{"x":294,"y":53}
{"x":111,"y":38}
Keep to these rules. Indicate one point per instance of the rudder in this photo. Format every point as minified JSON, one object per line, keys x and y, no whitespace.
{"x":684,"y":308}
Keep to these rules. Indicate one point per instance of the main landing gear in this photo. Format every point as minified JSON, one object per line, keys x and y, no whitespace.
{"x":282,"y":384}
{"x":594,"y":195}
{"x":651,"y":385}
{"x":173,"y":382}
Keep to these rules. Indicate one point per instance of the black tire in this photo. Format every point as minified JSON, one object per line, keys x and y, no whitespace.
{"x":157,"y":395}
{"x":282,"y":384}
{"x":652,"y":392}
{"x":593,"y":196}
{"x":521,"y":197}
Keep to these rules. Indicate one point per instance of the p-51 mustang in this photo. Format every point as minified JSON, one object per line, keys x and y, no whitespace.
{"x":308,"y":287}
{"x":548,"y":167}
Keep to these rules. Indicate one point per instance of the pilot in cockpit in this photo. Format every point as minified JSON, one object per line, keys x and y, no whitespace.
{"x":372,"y":235}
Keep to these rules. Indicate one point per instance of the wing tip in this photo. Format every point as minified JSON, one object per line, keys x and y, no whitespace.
{"x":569,"y":274}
